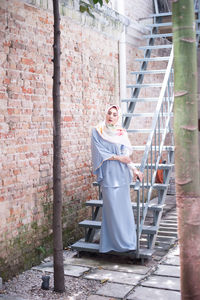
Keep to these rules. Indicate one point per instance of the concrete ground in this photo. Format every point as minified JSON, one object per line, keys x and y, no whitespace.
{"x":123,"y":278}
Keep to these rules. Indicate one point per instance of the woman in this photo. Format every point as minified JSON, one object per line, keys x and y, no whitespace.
{"x":111,"y":163}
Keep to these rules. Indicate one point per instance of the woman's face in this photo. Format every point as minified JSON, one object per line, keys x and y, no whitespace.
{"x":112,"y":116}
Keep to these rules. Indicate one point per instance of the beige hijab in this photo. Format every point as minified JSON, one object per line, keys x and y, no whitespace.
{"x":114,"y":134}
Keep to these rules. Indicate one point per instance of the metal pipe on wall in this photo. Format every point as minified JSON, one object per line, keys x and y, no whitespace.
{"x":122,"y":56}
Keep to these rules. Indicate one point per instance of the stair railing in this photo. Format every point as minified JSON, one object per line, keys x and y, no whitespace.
{"x":197,"y":10}
{"x":154,"y":146}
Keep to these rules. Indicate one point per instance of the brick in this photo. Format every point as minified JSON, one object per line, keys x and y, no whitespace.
{"x":27,"y":61}
{"x":89,"y":81}
{"x":67,"y":118}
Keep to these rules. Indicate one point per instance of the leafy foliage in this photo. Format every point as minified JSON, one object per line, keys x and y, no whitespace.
{"x":90,"y":5}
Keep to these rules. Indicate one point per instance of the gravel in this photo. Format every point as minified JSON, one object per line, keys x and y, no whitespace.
{"x":27,"y":286}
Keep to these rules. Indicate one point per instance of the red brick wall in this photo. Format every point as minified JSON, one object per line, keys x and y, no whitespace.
{"x":89,"y":81}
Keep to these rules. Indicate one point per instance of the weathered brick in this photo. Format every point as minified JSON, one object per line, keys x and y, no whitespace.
{"x":89,"y":82}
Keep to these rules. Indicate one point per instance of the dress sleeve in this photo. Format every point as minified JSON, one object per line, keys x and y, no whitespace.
{"x":99,"y":152}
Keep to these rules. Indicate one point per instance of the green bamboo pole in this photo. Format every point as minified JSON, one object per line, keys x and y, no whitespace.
{"x":186,"y":146}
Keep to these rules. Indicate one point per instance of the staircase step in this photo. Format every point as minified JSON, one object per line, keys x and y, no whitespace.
{"x":171,"y":222}
{"x":99,"y":203}
{"x":162,"y":238}
{"x":159,"y":35}
{"x":149,"y":229}
{"x":91,"y":247}
{"x":140,"y":100}
{"x":156,"y":58}
{"x":146,"y":253}
{"x":162,"y":35}
{"x":83,"y":246}
{"x":164,"y":24}
{"x":167,"y":233}
{"x":97,"y":225}
{"x":156,"y":186}
{"x":145,"y":115}
{"x":144,"y":130}
{"x":154,"y":207}
{"x":142,"y":148}
{"x":91,"y":224}
{"x":160,"y":166}
{"x":145,"y":85}
{"x":168,"y":225}
{"x":165,"y":14}
{"x":149,"y":72}
{"x":155,"y":47}
{"x":167,"y":229}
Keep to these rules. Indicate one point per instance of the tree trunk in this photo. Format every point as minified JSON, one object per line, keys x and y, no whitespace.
{"x":59,"y":285}
{"x":186,"y":146}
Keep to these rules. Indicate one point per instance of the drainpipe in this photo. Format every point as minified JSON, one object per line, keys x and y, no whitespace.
{"x":122,"y":56}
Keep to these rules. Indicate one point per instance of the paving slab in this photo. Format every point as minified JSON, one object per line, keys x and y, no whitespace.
{"x":144,"y":293}
{"x":114,"y":290}
{"x":11,"y":297}
{"x":172,"y":260}
{"x":114,"y":276}
{"x":96,"y":297}
{"x":176,"y":251}
{"x":168,"y":270}
{"x":69,"y":270}
{"x":93,"y":263}
{"x":162,"y":282}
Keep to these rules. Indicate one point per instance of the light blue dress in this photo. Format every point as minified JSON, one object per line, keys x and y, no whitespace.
{"x":118,"y":232}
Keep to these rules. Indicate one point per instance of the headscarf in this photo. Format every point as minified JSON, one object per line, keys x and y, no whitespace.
{"x":114,"y":133}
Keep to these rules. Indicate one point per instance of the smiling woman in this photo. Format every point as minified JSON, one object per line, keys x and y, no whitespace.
{"x":110,"y":153}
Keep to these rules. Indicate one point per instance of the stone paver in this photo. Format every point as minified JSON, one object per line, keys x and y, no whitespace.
{"x":176,"y":252}
{"x":144,"y":293}
{"x":163,"y":282}
{"x":113,"y":276}
{"x":10,"y":297}
{"x":69,"y":270}
{"x":114,"y":290}
{"x":87,"y":262}
{"x":168,"y":270}
{"x":96,"y":297}
{"x":172,"y":260}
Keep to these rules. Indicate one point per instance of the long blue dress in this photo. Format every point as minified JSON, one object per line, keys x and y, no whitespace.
{"x":118,"y":231}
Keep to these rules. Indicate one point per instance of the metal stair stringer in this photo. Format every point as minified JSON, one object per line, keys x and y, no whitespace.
{"x":140,"y":78}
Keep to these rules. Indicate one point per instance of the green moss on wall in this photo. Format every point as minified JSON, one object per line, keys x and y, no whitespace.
{"x":34,"y":242}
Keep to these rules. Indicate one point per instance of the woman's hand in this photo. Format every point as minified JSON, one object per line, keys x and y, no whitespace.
{"x":138,"y":175}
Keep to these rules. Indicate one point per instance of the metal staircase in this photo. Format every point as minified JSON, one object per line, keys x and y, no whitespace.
{"x":158,"y":138}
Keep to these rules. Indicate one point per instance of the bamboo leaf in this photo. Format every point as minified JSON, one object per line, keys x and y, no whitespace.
{"x":104,"y":280}
{"x":83,"y":8}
